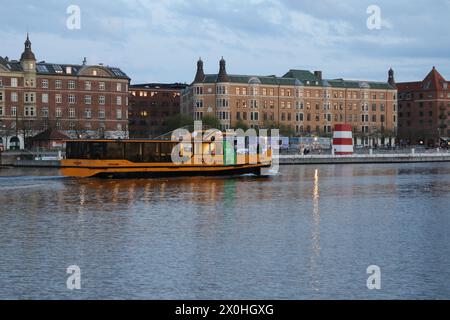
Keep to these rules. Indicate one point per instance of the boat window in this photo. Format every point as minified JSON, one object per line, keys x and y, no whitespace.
{"x":137,"y":152}
{"x":133,"y":152}
{"x":166,"y":152}
{"x":151,"y":152}
{"x":97,"y":151}
{"x":115,"y":151}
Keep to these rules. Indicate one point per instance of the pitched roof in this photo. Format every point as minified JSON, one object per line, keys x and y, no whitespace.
{"x":433,"y":81}
{"x":50,"y":134}
{"x":267,"y":80}
{"x":301,"y":78}
{"x":44,"y":68}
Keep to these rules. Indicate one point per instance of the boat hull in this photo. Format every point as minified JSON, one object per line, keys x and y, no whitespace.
{"x":155,"y":171}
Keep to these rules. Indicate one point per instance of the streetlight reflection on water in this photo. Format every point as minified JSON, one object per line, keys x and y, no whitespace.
{"x":315,"y":234}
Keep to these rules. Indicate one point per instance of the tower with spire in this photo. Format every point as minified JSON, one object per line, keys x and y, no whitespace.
{"x":391,"y":78}
{"x":28,"y":64}
{"x":222,"y":76}
{"x":200,"y":75}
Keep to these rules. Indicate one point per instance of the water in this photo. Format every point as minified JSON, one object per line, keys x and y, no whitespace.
{"x":310,"y":232}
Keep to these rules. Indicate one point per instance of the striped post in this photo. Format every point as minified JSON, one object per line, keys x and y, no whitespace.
{"x":343,"y":139}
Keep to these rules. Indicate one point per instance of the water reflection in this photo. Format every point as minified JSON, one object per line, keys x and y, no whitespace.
{"x":315,"y":231}
{"x":308,"y":232}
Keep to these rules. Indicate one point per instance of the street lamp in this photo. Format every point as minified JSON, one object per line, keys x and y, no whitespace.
{"x":2,"y":128}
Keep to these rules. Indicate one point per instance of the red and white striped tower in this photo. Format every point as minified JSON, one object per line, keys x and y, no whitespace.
{"x":343,"y":139}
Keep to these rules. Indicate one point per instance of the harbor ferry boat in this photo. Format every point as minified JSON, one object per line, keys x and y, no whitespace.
{"x":153,"y":158}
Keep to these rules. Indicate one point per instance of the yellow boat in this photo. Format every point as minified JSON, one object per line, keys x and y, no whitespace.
{"x":153,"y":158}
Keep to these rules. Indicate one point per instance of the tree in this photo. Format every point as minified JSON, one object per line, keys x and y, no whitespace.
{"x":178,"y":121}
{"x":241,"y":125}
{"x":211,"y":122}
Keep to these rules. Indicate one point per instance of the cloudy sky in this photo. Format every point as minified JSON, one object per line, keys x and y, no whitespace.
{"x":161,"y":40}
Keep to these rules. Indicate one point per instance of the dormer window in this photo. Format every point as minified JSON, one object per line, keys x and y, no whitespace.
{"x":69,"y":70}
{"x":94,"y":72}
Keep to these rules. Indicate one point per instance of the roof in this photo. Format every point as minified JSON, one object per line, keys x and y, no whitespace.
{"x":433,"y":81}
{"x":44,"y":68}
{"x":301,"y":78}
{"x":168,"y":86}
{"x":50,"y":134}
{"x":267,"y":80}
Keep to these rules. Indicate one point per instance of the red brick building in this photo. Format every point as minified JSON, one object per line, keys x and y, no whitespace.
{"x":149,"y":107}
{"x":89,"y":101}
{"x":424,"y":110}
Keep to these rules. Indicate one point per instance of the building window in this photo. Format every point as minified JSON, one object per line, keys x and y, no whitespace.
{"x":119,"y":114}
{"x":58,"y":84}
{"x":87,"y":85}
{"x":58,"y":125}
{"x":71,"y":85}
{"x":87,"y":99}
{"x":58,"y":98}
{"x":199,"y":104}
{"x":58,"y":113}
{"x":101,"y":113}
{"x":45,"y":83}
{"x":14,"y":82}
{"x":87,"y":113}
{"x":254,"y":116}
{"x":14,"y":97}
{"x":101,"y":100}
{"x":119,"y":127}
{"x":71,"y":126}
{"x":198,"y":90}
{"x":45,"y":98}
{"x":119,"y":100}
{"x":72,"y":98}
{"x":13,"y":111}
{"x":29,"y":111}
{"x":72,"y":113}
{"x":101,"y":86}
{"x":29,"y":97}
{"x":2,"y":111}
{"x":119,"y":87}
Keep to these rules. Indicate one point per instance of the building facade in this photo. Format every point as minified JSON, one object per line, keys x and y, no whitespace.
{"x":300,"y":103}
{"x":150,"y":105}
{"x":424,"y":110}
{"x":88,"y":101}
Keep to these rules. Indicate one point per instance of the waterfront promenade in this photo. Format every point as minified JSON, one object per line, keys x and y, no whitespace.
{"x":297,"y":159}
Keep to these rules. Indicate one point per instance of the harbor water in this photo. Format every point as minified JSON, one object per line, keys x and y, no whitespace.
{"x":311,"y":232}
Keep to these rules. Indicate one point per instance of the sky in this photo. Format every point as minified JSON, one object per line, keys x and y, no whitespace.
{"x":161,"y":40}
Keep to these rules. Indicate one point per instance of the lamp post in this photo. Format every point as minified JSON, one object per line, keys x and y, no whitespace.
{"x":2,"y":128}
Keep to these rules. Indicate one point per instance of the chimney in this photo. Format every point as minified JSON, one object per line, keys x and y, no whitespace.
{"x":318,"y":75}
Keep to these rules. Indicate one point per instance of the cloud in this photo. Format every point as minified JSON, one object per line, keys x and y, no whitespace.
{"x":160,"y":40}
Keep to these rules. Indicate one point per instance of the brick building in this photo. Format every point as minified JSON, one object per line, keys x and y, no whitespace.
{"x":89,"y":101}
{"x":150,"y":106}
{"x":300,"y":102}
{"x":424,"y":110}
